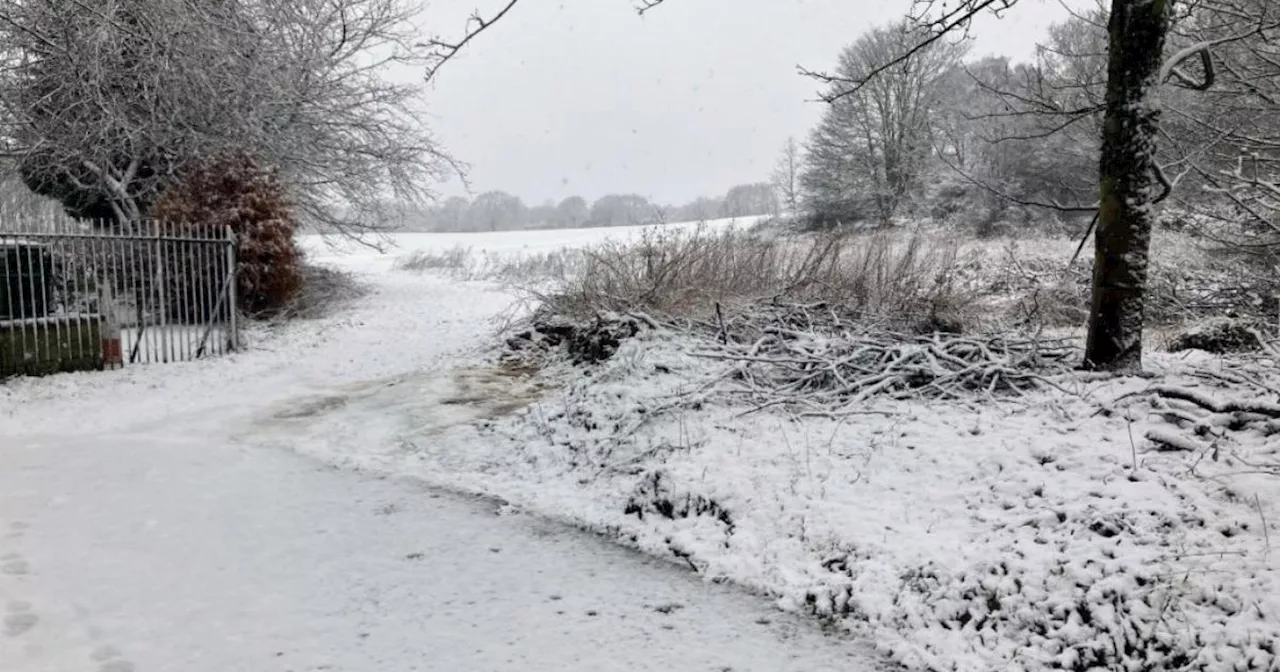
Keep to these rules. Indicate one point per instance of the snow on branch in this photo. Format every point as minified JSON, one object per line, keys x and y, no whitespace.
{"x":952,"y":21}
{"x":440,"y":51}
{"x":817,"y":364}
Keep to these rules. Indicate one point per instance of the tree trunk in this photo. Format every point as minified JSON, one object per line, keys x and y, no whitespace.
{"x":1127,"y":182}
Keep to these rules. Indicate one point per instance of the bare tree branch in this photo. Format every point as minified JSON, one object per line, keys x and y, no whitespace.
{"x":440,"y":51}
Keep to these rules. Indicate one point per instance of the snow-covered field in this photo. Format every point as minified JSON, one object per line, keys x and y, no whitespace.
{"x":1046,"y":532}
{"x":379,"y":253}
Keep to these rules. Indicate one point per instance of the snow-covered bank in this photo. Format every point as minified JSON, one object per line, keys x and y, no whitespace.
{"x":1015,"y":535}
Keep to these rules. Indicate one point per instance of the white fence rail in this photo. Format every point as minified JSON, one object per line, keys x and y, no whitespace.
{"x":77,"y":296}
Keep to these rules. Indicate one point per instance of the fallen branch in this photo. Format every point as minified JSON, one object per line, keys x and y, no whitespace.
{"x":1169,"y":442}
{"x":800,"y":358}
{"x":1261,"y":408}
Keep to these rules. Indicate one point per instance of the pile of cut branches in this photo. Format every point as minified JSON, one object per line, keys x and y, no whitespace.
{"x":816,"y":361}
{"x":1203,"y":425}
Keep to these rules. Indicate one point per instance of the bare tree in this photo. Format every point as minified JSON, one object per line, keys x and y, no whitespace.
{"x":104,"y":105}
{"x":621,"y":210}
{"x":572,"y":212}
{"x":746,"y":200}
{"x":496,"y":211}
{"x":1227,"y":146}
{"x":871,"y":145}
{"x":1130,"y":180}
{"x":786,"y":177}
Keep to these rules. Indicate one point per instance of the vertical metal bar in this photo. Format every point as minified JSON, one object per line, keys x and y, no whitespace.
{"x":105,"y":259}
{"x":153,"y":321}
{"x":222,"y":324}
{"x":130,"y":277}
{"x":45,"y":324}
{"x":67,"y":264}
{"x":13,"y":288}
{"x":188,"y":291}
{"x":207,"y":278}
{"x":197,"y":289}
{"x":53,"y":327}
{"x":30,"y":297}
{"x":180,"y":289}
{"x":141,"y":290}
{"x":173,"y":285}
{"x":6,"y":269}
{"x":233,"y":338}
{"x":197,"y":278}
{"x":91,"y":289}
{"x":162,"y":294}
{"x":142,"y":279}
{"x":74,"y":287}
{"x":111,"y":275}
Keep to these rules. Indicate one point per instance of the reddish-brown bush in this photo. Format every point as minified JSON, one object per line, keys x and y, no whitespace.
{"x":239,"y":193}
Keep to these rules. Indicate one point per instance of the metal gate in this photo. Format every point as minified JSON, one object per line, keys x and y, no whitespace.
{"x":92,"y":295}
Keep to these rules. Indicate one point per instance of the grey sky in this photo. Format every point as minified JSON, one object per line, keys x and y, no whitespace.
{"x":585,"y":97}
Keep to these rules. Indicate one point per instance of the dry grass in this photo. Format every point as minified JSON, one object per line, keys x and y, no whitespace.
{"x":463,"y":263}
{"x":456,"y":260}
{"x":324,"y":291}
{"x":906,"y":281}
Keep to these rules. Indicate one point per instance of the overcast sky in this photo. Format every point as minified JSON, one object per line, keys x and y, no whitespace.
{"x":585,"y":97}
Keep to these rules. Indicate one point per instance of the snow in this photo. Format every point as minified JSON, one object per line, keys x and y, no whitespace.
{"x":177,"y":514}
{"x":960,"y":537}
{"x":165,"y":551}
{"x":379,"y":254}
{"x":157,"y":518}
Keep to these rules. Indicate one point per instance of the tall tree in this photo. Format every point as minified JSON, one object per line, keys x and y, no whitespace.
{"x":746,"y":200}
{"x":496,"y":211}
{"x":786,"y":177}
{"x":621,"y":210}
{"x":572,"y":212}
{"x":871,"y":144}
{"x":107,"y":104}
{"x":1130,"y":181}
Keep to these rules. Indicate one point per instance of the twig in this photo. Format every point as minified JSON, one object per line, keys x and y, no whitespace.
{"x":1266,"y":535}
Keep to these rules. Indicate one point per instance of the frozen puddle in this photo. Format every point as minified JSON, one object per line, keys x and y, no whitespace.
{"x":419,"y":404}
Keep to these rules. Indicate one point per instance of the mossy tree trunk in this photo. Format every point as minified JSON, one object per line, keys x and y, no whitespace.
{"x":1128,"y":183}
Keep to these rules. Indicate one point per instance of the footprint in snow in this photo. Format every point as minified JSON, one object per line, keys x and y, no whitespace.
{"x":110,"y":660}
{"x":18,"y":623}
{"x":14,"y":566}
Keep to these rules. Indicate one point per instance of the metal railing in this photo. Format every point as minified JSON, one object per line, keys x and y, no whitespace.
{"x":80,"y":295}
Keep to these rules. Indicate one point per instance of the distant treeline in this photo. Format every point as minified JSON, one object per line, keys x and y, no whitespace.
{"x":500,"y":211}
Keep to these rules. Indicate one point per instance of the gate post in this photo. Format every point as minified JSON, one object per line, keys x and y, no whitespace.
{"x":232,"y":306}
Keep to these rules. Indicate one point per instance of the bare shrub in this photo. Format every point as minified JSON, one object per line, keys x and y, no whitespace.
{"x":325,"y":291}
{"x":555,"y":266}
{"x":462,"y":263}
{"x":907,"y":281}
{"x":455,"y":260}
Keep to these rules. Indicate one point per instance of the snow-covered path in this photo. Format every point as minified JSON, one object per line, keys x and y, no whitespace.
{"x":144,"y":529}
{"x":177,"y":553}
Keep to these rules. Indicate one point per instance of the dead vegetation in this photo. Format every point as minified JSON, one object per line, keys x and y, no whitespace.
{"x":464,"y":263}
{"x":324,"y":290}
{"x":691,"y":276}
{"x":813,"y":360}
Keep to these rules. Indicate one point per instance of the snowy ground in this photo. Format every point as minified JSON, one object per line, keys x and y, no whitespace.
{"x":1016,"y":535}
{"x":158,"y":518}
